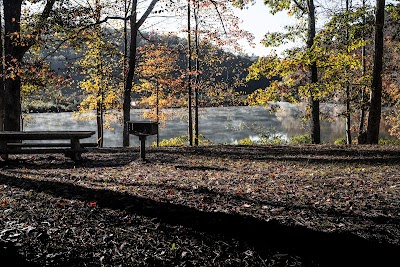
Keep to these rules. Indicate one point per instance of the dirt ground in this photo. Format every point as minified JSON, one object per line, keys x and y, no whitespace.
{"x":315,"y":205}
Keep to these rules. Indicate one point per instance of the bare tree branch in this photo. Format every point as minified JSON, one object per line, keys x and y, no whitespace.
{"x":299,"y":6}
{"x":146,"y":14}
{"x":82,"y":29}
{"x":219,"y":15}
{"x":42,"y":20}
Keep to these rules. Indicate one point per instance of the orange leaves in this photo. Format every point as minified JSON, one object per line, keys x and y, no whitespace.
{"x":160,"y":82}
{"x":4,"y":203}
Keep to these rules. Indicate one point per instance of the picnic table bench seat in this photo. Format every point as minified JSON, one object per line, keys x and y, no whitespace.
{"x":14,"y":142}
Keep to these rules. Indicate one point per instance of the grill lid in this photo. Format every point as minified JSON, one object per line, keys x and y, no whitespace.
{"x":142,"y":127}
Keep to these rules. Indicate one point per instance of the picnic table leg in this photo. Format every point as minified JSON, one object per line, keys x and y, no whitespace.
{"x":3,"y":147}
{"x":142,"y":139}
{"x":75,"y":146}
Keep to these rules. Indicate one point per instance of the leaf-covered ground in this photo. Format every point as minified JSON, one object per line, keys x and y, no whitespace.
{"x":208,"y":206}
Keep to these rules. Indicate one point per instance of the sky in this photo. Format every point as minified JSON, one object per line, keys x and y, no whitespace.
{"x":257,"y":20}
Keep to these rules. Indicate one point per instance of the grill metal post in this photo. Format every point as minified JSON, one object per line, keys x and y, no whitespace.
{"x":142,"y":139}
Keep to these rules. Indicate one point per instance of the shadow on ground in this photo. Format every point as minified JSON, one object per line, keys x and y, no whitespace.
{"x":329,"y":249}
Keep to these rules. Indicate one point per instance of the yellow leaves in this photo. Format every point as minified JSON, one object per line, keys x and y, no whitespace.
{"x":264,"y":96}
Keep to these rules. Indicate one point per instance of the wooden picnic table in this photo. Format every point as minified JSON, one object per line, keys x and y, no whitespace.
{"x":13,"y":142}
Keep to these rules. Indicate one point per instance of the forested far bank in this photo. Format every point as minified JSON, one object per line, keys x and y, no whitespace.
{"x":228,"y":75}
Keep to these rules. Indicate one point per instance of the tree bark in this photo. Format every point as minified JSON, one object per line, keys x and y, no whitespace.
{"x":13,"y":58}
{"x":2,"y":92}
{"x":189,"y":81}
{"x":14,"y":51}
{"x":375,"y":107}
{"x":126,"y":107}
{"x":348,"y":116}
{"x":348,"y":88}
{"x":197,"y":77}
{"x":128,"y":84}
{"x":314,"y":103}
{"x":361,"y":131}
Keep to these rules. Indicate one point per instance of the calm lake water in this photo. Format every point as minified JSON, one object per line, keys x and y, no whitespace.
{"x":220,"y":125}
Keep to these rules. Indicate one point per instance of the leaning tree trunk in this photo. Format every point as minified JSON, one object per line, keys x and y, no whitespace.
{"x":314,"y":103}
{"x":13,"y":57}
{"x":375,"y":107}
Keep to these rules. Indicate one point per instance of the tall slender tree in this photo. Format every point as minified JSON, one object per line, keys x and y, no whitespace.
{"x":375,"y":107}
{"x":300,"y":9}
{"x":2,"y":96}
{"x":348,"y":86}
{"x":135,"y":25}
{"x":361,"y":127}
{"x":314,"y":101}
{"x":197,"y":72}
{"x":189,"y":76}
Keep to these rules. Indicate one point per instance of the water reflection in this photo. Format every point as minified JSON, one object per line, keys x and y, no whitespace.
{"x":218,"y":124}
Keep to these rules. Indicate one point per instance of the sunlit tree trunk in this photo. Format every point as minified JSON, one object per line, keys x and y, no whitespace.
{"x":375,"y":107}
{"x":314,"y":103}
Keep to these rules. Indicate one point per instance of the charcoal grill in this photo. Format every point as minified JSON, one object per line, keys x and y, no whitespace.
{"x":142,"y":129}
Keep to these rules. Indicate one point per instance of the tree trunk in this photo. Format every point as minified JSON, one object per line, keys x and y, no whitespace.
{"x":100,"y":123}
{"x":2,"y":92}
{"x":189,"y":81}
{"x":13,"y":57}
{"x":314,"y":103}
{"x":348,"y":87}
{"x":348,"y":116}
{"x":99,"y":70}
{"x":157,"y":114}
{"x":374,"y":116}
{"x":126,"y":106}
{"x":197,"y":77}
{"x":361,"y":132}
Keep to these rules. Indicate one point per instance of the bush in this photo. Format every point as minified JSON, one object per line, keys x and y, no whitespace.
{"x":246,"y":142}
{"x":340,"y":141}
{"x":272,"y":140}
{"x":301,"y":139}
{"x":180,"y":141}
{"x":384,"y":141}
{"x":277,"y":140}
{"x":175,"y":141}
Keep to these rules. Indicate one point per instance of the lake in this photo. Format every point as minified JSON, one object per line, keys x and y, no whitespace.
{"x":221,"y":125}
